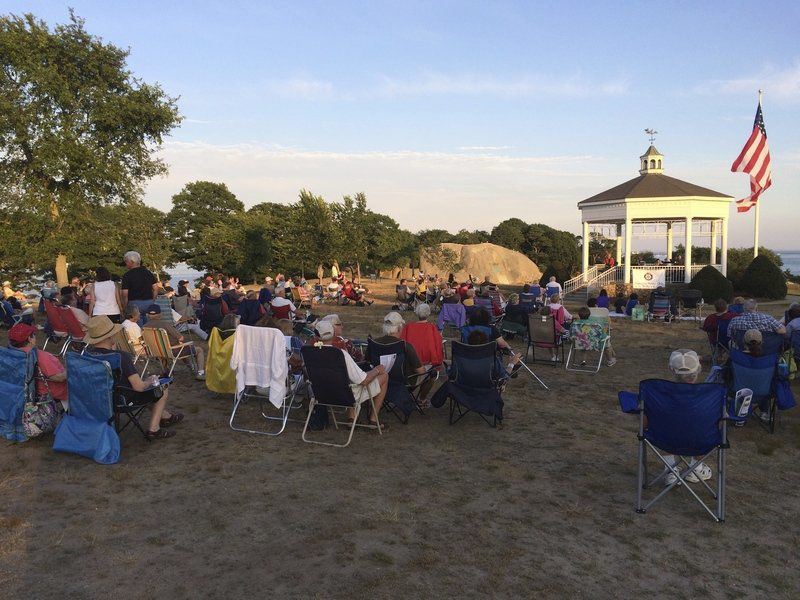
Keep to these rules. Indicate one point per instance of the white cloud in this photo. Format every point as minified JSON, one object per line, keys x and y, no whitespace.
{"x":483,"y":148}
{"x":418,"y":189}
{"x":780,"y":83}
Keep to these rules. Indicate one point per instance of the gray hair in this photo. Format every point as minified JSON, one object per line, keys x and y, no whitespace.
{"x":423,"y":311}
{"x":133,"y":257}
{"x":392,"y":329}
{"x":750,"y":305}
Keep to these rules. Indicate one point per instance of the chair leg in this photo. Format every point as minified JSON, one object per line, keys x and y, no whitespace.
{"x":641,"y":477}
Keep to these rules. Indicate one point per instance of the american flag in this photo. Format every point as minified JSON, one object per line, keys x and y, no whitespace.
{"x":755,"y":161}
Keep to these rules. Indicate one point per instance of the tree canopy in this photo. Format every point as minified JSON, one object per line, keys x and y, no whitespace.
{"x":77,"y":129}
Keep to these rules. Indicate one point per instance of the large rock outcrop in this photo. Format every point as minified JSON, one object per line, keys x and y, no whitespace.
{"x":503,"y":266}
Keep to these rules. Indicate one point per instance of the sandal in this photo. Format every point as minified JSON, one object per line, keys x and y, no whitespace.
{"x":374,"y":424}
{"x":161,"y":434}
{"x":173,"y":419}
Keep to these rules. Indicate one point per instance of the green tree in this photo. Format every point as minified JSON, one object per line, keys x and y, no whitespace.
{"x":740,"y":258}
{"x":313,"y":230}
{"x":238,"y":245}
{"x":198,"y":206}
{"x":510,"y":233}
{"x":599,"y":246}
{"x":470,"y":237}
{"x":552,"y":249}
{"x":763,"y":279}
{"x":77,"y":128}
{"x":352,"y":229}
{"x":431,"y":237}
{"x":277,"y":218}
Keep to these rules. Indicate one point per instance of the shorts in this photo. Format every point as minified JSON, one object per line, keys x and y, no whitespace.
{"x":142,"y":398}
{"x":362,"y":393}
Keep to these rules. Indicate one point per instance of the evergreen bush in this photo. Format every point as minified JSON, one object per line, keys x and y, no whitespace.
{"x":712,"y":284}
{"x":763,"y":279}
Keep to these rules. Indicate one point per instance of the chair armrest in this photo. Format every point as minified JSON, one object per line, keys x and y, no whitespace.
{"x":629,"y":402}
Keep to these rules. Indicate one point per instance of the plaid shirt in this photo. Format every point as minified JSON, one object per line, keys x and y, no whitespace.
{"x":754,"y":320}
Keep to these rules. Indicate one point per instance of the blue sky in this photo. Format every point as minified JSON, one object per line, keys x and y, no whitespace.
{"x":462,"y":114}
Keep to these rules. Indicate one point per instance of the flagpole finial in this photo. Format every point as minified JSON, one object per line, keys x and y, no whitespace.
{"x":760,"y":93}
{"x":652,"y":133}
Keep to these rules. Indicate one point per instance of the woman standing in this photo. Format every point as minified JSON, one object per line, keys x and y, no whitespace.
{"x":104,"y":296}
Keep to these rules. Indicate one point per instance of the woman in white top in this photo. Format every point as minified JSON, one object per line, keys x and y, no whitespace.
{"x":104,"y":296}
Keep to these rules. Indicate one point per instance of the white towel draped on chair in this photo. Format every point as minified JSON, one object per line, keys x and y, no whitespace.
{"x":259,"y":358}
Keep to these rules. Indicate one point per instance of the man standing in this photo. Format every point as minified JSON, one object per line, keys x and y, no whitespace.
{"x":139,"y":285}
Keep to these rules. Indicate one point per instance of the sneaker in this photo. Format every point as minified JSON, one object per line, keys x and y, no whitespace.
{"x":201,"y":376}
{"x":764,"y":416}
{"x":671,"y":477}
{"x":553,"y":358}
{"x":701,"y":472}
{"x":611,"y":362}
{"x":161,"y":434}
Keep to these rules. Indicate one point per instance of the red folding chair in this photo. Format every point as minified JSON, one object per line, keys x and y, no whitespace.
{"x":74,"y":329}
{"x":57,"y":324}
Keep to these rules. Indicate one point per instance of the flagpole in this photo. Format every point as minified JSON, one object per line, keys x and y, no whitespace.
{"x":758,"y":204}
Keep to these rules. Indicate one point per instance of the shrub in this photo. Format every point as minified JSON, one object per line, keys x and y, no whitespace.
{"x":712,"y":284}
{"x":763,"y":278}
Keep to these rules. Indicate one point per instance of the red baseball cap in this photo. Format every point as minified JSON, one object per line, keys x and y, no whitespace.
{"x":20,"y":333}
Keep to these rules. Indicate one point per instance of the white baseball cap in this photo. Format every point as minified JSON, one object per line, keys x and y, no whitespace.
{"x":684,"y":362}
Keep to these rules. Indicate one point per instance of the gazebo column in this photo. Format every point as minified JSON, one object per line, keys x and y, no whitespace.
{"x":619,"y":244}
{"x":628,"y":239}
{"x":585,"y":249}
{"x":669,"y":241}
{"x":687,"y":272}
{"x":714,"y":241}
{"x":724,"y":247}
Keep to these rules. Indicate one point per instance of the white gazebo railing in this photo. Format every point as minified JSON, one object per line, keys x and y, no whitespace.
{"x":673,"y":274}
{"x":580,"y":280}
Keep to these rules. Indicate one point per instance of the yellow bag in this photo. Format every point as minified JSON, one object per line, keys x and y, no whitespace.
{"x":220,"y":377}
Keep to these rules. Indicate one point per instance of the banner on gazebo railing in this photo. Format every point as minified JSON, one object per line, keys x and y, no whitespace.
{"x":648,"y":279}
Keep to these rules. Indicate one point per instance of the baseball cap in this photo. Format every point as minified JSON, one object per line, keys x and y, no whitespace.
{"x":324,"y":330}
{"x":154,"y":309}
{"x":753,"y":335}
{"x":684,"y":362}
{"x":394,"y":318}
{"x":20,"y":333}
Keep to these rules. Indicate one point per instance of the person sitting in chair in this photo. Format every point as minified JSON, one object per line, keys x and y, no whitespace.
{"x":69,"y":299}
{"x":477,"y":338}
{"x":339,"y":341}
{"x":374,"y":382}
{"x":100,"y":335}
{"x":685,"y":366}
{"x":281,"y":307}
{"x":23,"y":337}
{"x":711,"y":324}
{"x":154,"y":322}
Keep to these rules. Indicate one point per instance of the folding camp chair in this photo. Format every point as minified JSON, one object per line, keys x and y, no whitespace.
{"x":124,"y":403}
{"x":165,"y":304}
{"x":160,"y":349}
{"x":427,"y":341}
{"x":7,"y":315}
{"x":487,"y":304}
{"x":451,"y":319}
{"x":74,"y":329}
{"x":690,"y":303}
{"x":529,"y":301}
{"x":182,"y":305}
{"x":682,"y":419}
{"x":719,"y":348}
{"x":550,"y":290}
{"x":126,"y":344}
{"x":542,"y":333}
{"x":403,"y":393}
{"x":759,"y":374}
{"x":329,"y":387}
{"x":17,"y":370}
{"x":220,"y":378}
{"x":586,"y":336}
{"x":302,"y":298}
{"x":473,"y":385}
{"x":243,"y":393}
{"x":771,"y":342}
{"x":86,"y":428}
{"x":661,"y":309}
{"x":536,"y":292}
{"x":55,"y":328}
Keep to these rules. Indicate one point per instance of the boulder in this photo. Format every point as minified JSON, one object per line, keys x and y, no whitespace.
{"x":504,"y":266}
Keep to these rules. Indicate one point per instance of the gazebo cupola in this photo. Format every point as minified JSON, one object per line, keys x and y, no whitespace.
{"x":651,"y":161}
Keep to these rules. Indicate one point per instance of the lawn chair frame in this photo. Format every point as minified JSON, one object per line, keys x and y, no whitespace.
{"x":586,"y":336}
{"x":160,"y":348}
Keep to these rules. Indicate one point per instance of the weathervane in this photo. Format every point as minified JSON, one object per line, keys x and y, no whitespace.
{"x":652,"y":133}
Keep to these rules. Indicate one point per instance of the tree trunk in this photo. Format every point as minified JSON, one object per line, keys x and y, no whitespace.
{"x":358,"y":271}
{"x":62,"y":278}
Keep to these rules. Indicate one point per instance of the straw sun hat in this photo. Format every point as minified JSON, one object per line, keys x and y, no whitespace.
{"x":100,"y":328}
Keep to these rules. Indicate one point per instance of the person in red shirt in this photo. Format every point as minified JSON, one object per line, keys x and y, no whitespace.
{"x":711,"y":323}
{"x":23,"y":337}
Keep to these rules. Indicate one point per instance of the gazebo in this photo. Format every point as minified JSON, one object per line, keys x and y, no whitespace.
{"x":653,"y":200}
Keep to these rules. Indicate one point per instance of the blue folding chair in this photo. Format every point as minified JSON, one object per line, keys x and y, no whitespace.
{"x":404,"y":389}
{"x":723,"y":341}
{"x":758,"y":373}
{"x":16,"y":387}
{"x":86,"y":429}
{"x":681,"y":419}
{"x":474,"y":384}
{"x":771,"y":342}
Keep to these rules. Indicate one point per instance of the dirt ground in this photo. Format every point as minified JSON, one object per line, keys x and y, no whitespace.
{"x":542,"y":507}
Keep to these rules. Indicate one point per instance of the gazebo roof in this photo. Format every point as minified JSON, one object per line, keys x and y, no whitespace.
{"x":652,"y":185}
{"x":651,"y":151}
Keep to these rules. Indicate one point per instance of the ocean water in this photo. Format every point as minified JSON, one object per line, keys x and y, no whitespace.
{"x":791,"y":260}
{"x":183,"y":271}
